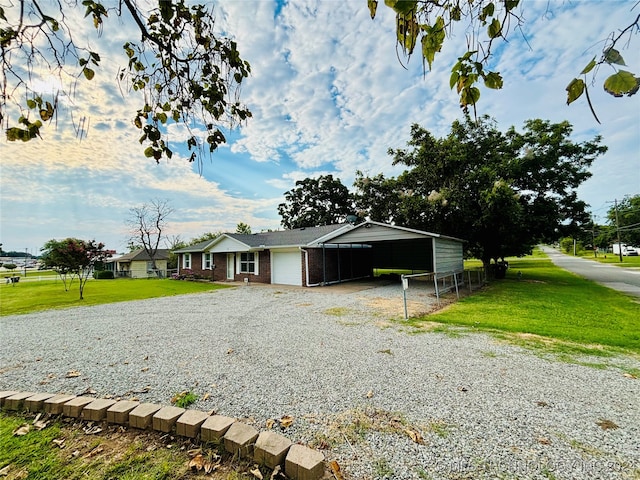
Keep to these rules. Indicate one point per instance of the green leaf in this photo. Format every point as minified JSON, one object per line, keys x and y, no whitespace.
{"x":401,"y":7}
{"x":469,"y":96}
{"x":407,"y":31}
{"x":373,"y":6}
{"x":495,"y":29}
{"x":162,"y":117}
{"x":589,"y":67}
{"x":574,"y":90}
{"x":511,"y":4}
{"x":612,"y":55}
{"x":621,"y":83}
{"x":487,"y":11}
{"x":31,"y":103}
{"x":432,"y":40}
{"x":493,"y":80}
{"x":148,"y":152}
{"x":88,"y":73}
{"x":453,"y":80}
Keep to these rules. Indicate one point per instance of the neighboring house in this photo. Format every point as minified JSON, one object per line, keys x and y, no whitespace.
{"x":320,"y":255}
{"x":138,"y":264}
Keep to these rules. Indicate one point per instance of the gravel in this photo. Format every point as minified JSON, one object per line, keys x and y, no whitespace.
{"x":361,"y":385}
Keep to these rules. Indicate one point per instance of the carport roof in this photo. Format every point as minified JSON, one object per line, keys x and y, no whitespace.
{"x":371,"y":231}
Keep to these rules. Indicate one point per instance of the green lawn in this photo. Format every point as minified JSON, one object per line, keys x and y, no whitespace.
{"x":26,"y":297}
{"x":613,"y":259}
{"x":549,"y":302}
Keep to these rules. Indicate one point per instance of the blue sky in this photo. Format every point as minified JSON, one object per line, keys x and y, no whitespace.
{"x":328,"y":95}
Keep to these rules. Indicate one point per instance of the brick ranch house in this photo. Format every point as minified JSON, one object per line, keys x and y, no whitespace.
{"x":323,"y":255}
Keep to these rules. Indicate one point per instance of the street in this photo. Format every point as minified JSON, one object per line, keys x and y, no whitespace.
{"x":626,"y":280}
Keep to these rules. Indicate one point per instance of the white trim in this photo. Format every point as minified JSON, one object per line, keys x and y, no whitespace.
{"x":230,"y":263}
{"x":186,"y":256}
{"x":256,"y":262}
{"x":204,"y":263}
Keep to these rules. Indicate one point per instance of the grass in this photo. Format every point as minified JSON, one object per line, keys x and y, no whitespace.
{"x":549,"y":302}
{"x":114,"y":453}
{"x":27,"y":297}
{"x":612,"y":259}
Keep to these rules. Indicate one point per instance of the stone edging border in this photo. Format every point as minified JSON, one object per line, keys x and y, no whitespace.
{"x":264,"y":448}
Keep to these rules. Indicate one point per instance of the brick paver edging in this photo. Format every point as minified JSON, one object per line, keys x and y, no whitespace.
{"x":265,"y":448}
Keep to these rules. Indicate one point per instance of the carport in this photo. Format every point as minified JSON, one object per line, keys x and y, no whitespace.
{"x":392,"y":247}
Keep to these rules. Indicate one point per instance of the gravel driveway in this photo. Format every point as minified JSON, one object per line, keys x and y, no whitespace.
{"x":361,"y":386}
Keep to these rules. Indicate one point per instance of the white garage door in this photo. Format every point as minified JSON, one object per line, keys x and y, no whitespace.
{"x":286,"y":268}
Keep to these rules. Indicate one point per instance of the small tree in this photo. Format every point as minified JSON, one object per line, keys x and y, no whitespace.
{"x":147,"y":224}
{"x":73,"y":257}
{"x":243,"y":228}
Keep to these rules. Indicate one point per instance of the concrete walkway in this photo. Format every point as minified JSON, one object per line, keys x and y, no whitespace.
{"x":626,"y":280}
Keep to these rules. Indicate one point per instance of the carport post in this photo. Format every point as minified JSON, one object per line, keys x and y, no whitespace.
{"x":435,"y":284}
{"x":405,"y":285}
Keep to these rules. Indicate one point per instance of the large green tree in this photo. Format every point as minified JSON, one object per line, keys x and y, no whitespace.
{"x":185,"y":72}
{"x":315,"y":202}
{"x":72,"y":258}
{"x":624,"y":216}
{"x":426,"y":25}
{"x":502,"y":192}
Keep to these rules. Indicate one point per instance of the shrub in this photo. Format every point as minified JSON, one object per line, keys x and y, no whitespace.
{"x":10,"y":266}
{"x":103,"y":275}
{"x":184,"y":399}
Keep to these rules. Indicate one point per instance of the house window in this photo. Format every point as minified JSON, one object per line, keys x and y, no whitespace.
{"x":249,"y":262}
{"x":186,"y":260}
{"x":206,"y":261}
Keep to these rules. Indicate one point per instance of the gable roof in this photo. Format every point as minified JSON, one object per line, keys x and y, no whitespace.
{"x":142,"y":256}
{"x":297,"y":237}
{"x":196,"y":247}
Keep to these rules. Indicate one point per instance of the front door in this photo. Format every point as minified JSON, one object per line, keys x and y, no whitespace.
{"x":230,"y":265}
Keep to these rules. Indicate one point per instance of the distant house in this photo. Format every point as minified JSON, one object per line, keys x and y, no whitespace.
{"x":138,"y":264}
{"x":320,"y":255}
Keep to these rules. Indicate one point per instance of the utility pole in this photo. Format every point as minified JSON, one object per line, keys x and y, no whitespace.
{"x":615,"y":202}
{"x":593,"y":237}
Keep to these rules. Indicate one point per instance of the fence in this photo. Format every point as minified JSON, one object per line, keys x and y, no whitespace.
{"x":445,"y":282}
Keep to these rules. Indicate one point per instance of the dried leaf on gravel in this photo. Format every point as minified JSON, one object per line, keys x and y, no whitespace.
{"x":629,"y":375}
{"x":370,"y":394}
{"x":606,"y":424}
{"x":21,"y":430}
{"x":544,"y":441}
{"x":286,"y":421}
{"x":270,"y":423}
{"x":335,"y":469}
{"x":414,"y":435}
{"x":73,"y":373}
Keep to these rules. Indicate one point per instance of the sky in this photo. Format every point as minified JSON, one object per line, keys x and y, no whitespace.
{"x":328,"y":96}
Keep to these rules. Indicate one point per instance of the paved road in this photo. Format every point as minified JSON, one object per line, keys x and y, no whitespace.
{"x":626,"y":280}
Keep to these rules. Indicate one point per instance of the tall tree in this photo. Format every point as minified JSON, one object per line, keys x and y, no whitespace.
{"x":502,"y":192}
{"x":626,"y":219}
{"x":427,"y":24}
{"x":185,"y":72}
{"x":72,"y":257}
{"x":377,"y":198}
{"x":243,"y":228}
{"x":147,"y":225}
{"x":315,"y":202}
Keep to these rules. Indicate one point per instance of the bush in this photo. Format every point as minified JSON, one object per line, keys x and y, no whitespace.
{"x":10,"y":266}
{"x":103,"y":275}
